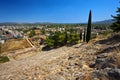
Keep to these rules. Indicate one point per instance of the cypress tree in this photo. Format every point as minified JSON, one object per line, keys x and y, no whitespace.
{"x":0,"y":48}
{"x":66,"y":36}
{"x":84,"y":36}
{"x":88,"y":35}
{"x":80,"y":34}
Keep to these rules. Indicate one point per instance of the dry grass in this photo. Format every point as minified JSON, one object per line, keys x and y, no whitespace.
{"x":117,"y":56}
{"x":118,"y":61}
{"x":14,"y":44}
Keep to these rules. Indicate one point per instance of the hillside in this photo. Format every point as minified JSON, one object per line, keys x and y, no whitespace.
{"x":109,"y":21}
{"x":93,"y":61}
{"x":14,"y":44}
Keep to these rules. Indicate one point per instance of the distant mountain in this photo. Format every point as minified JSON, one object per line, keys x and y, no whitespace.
{"x":109,"y":21}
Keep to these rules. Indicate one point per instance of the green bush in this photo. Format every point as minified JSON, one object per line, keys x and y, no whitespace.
{"x":43,"y":30}
{"x":4,"y":59}
{"x":50,"y":42}
{"x":62,"y":38}
{"x":32,"y":33}
{"x":73,"y":38}
{"x":93,"y":36}
{"x":105,"y":33}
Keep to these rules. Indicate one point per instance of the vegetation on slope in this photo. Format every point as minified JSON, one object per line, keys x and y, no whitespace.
{"x":58,"y":39}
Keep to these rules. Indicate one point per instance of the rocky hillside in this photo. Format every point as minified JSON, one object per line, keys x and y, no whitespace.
{"x":93,"y":61}
{"x":107,"y":65}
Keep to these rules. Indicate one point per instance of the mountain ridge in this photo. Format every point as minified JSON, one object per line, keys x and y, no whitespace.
{"x":108,"y":21}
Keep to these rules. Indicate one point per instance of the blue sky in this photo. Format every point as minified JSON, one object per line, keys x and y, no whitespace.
{"x":56,"y":11}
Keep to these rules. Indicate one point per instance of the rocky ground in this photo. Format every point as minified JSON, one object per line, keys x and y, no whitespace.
{"x":107,"y":63}
{"x":93,"y":61}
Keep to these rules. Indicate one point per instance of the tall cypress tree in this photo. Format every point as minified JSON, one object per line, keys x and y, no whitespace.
{"x":84,"y":36}
{"x":88,"y":35}
{"x":0,"y":48}
{"x":116,"y":25}
{"x":80,"y":35}
{"x":66,"y":37}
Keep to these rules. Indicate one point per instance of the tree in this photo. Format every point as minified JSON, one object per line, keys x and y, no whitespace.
{"x":32,"y":33}
{"x":50,"y":42}
{"x":43,"y":30}
{"x":116,"y":25}
{"x":88,"y":35}
{"x":84,"y":36}
{"x":56,"y":40}
{"x":80,"y":35}
{"x":59,"y":39}
{"x":74,"y":38}
{"x":0,"y":48}
{"x":66,"y":37}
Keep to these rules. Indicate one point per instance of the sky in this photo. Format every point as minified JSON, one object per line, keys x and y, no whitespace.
{"x":56,"y":11}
